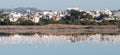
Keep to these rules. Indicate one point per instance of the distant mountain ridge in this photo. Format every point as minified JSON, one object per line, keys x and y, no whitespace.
{"x":21,"y":9}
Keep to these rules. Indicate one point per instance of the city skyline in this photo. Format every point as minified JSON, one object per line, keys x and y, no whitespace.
{"x":61,"y":4}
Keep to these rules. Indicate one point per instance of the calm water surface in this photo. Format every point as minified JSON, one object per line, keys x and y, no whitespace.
{"x":79,"y":44}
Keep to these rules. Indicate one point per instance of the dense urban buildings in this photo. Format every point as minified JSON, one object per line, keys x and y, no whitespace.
{"x":68,"y":15}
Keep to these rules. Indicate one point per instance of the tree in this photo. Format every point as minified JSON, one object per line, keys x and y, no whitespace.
{"x":105,"y":22}
{"x":26,"y":22}
{"x":94,"y":23}
{"x":3,"y":15}
{"x":104,"y":16}
{"x":89,"y":16}
{"x":87,"y":22}
{"x":5,"y":22}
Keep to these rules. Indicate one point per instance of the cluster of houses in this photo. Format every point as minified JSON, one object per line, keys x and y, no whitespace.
{"x":57,"y":15}
{"x":112,"y":15}
{"x":35,"y":17}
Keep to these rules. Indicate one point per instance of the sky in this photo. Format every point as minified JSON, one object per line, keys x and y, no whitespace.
{"x":62,"y":4}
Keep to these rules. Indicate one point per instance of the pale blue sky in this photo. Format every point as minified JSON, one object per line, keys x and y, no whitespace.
{"x":61,"y":4}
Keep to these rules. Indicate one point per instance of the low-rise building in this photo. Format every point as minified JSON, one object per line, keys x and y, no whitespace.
{"x":77,"y":9}
{"x":14,"y":16}
{"x":37,"y":17}
{"x":116,"y":15}
{"x":95,"y":13}
{"x":108,"y":19}
{"x":106,"y":11}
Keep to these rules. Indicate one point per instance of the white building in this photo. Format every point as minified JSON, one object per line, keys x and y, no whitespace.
{"x":13,"y":16}
{"x":117,"y":15}
{"x":37,"y":17}
{"x":108,"y":19}
{"x":106,"y":11}
{"x":77,"y":9}
{"x":89,"y":12}
{"x":96,"y":13}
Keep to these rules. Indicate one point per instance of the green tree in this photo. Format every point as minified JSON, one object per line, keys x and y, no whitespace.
{"x":5,"y":22}
{"x":87,"y":22}
{"x":26,"y":22}
{"x":90,"y":17}
{"x":104,"y":16}
{"x":94,"y":23}
{"x":105,"y":22}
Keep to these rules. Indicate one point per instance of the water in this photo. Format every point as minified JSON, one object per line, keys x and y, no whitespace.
{"x":74,"y":44}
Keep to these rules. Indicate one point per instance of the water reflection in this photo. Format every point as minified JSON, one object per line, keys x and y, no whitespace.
{"x":58,"y":39}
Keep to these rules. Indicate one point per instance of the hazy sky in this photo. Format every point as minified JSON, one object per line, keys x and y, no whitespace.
{"x":62,"y":4}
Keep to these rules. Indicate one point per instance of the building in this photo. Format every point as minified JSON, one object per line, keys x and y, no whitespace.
{"x":14,"y":16}
{"x":116,"y":15}
{"x":77,"y":9}
{"x":108,"y":19}
{"x":106,"y":11}
{"x":95,"y":13}
{"x":37,"y":17}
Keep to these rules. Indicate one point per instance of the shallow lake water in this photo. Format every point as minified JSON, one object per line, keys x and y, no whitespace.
{"x":74,"y":44}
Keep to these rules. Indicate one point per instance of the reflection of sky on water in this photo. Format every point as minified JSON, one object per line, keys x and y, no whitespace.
{"x":58,"y":39}
{"x":60,"y":44}
{"x":33,"y":39}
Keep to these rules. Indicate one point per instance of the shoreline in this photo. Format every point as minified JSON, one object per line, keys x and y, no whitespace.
{"x":57,"y":26}
{"x":59,"y":29}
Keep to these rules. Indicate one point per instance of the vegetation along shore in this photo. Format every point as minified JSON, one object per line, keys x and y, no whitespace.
{"x":56,"y":26}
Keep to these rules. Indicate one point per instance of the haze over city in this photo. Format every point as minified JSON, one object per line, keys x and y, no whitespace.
{"x":61,"y":4}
